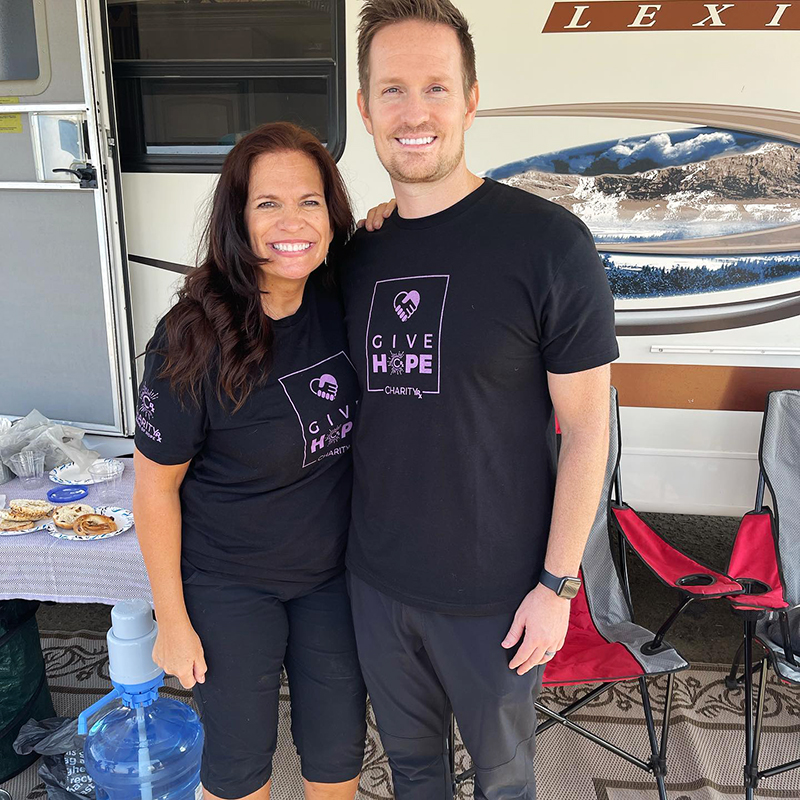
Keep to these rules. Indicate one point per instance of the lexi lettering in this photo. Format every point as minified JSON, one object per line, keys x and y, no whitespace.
{"x":646,"y":17}
{"x":379,"y":362}
{"x":686,"y":15}
{"x":714,"y":12}
{"x":576,"y":18}
{"x":779,"y":12}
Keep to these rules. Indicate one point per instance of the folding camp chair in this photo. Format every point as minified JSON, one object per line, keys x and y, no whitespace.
{"x":766,"y":561}
{"x":603,"y":644}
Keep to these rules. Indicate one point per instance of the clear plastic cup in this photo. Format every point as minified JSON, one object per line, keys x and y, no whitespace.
{"x":107,"y":477}
{"x":28,"y":466}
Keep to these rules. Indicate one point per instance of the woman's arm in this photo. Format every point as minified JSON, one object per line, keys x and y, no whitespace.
{"x":157,"y":511}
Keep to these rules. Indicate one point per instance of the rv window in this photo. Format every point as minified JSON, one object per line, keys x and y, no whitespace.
{"x":19,"y":58}
{"x":191,"y":79}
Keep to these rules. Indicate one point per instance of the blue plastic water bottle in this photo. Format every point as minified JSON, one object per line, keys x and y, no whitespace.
{"x":147,"y":747}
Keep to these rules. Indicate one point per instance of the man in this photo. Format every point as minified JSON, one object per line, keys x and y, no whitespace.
{"x":472,"y":314}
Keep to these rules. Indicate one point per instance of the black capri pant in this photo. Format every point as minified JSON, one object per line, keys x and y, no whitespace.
{"x":248,"y":633}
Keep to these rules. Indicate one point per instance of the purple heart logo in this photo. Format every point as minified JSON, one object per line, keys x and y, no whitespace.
{"x":325,"y":387}
{"x":405,"y":304}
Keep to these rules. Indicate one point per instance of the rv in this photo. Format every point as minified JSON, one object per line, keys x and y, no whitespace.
{"x":671,"y":129}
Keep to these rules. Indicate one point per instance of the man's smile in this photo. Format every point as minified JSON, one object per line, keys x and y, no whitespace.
{"x":416,"y":142}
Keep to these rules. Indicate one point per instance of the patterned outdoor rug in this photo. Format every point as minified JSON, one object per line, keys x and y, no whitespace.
{"x":705,"y":754}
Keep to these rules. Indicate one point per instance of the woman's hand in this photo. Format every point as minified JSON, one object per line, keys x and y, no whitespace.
{"x":376,"y":216}
{"x":178,"y":652}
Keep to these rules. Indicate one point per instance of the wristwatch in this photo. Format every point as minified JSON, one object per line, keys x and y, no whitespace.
{"x":566,"y":587}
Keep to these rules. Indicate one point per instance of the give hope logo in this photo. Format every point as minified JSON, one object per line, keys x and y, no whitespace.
{"x":324,"y":397}
{"x":404,"y":335}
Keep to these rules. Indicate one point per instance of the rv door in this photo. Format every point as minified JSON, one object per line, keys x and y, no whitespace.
{"x":64,"y":325}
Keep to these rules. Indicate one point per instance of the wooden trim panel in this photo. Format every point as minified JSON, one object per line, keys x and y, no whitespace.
{"x":696,"y":386}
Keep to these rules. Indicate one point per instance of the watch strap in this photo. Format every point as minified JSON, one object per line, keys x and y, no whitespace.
{"x":553,"y":582}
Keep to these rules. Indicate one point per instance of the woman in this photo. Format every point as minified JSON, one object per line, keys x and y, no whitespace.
{"x":243,"y":474}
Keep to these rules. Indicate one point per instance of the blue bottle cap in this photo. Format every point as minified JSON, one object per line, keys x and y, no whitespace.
{"x":67,"y":494}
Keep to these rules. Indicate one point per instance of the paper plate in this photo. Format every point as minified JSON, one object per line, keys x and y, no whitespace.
{"x":122,"y":516}
{"x":70,"y":475}
{"x":40,"y":525}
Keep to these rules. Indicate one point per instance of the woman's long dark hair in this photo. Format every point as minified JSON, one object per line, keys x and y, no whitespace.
{"x":218,"y":315}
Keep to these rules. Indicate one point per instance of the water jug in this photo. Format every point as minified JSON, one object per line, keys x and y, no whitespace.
{"x":147,"y":747}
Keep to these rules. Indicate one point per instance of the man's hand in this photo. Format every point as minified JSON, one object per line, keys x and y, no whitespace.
{"x":541,"y":622}
{"x":376,"y":216}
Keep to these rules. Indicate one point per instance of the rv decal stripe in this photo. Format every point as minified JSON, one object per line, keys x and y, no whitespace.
{"x":696,"y":319}
{"x":676,"y":15}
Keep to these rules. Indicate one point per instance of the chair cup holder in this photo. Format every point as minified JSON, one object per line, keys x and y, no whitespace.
{"x":650,"y":649}
{"x":700,"y":579}
{"x":753,"y":586}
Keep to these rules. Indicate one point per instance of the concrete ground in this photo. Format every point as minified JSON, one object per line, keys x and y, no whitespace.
{"x":706,"y":632}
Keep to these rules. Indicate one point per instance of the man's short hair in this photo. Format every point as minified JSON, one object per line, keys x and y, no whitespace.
{"x":377,"y":14}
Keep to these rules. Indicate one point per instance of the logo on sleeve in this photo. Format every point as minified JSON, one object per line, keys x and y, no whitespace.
{"x":144,"y":414}
{"x":324,"y":398}
{"x":404,"y":335}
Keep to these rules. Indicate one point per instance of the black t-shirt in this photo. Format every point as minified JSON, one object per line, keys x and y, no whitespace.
{"x":266,"y":497}
{"x":454,"y":321}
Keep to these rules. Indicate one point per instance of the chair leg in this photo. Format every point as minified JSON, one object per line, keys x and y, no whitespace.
{"x":666,"y":722}
{"x":788,"y":649}
{"x":762,"y":691}
{"x":732,"y":681}
{"x":657,"y":763}
{"x":750,"y":779}
{"x":662,"y":791}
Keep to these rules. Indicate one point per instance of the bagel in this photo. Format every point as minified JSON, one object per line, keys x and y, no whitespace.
{"x":65,"y":516}
{"x":94,"y":525}
{"x":15,"y":525}
{"x":32,"y":509}
{"x":10,"y":515}
{"x":7,"y":515}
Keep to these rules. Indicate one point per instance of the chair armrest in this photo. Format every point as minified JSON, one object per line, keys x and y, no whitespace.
{"x":670,"y":565}
{"x":754,"y":562}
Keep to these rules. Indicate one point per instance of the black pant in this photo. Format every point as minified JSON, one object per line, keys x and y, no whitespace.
{"x":247,"y":633}
{"x":417,"y":665}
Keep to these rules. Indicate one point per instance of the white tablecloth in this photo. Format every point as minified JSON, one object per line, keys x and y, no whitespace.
{"x":37,"y":566}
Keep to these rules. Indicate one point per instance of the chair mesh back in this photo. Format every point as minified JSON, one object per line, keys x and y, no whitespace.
{"x":780,"y":460}
{"x":604,"y":593}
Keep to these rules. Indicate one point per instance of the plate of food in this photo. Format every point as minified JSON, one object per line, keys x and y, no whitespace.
{"x":71,"y":475}
{"x":81,"y":522}
{"x":25,"y":516}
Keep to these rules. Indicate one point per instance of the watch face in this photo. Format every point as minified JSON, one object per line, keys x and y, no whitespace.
{"x":569,"y":588}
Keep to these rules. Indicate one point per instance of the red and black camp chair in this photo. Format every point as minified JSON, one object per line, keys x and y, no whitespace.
{"x":604,"y":646}
{"x":766,"y":561}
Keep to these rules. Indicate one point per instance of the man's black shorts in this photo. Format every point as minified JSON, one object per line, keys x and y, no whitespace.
{"x":248,"y":633}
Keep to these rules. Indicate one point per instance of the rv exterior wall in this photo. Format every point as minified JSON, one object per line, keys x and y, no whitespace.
{"x":677,"y":459}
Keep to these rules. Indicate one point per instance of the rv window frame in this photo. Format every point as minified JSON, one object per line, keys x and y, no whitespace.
{"x":331,"y":70}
